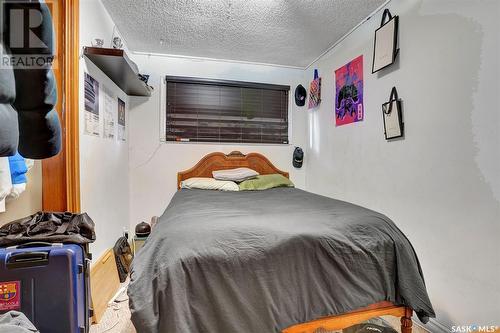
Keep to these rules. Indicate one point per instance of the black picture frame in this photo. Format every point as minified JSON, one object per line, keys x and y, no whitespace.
{"x":392,"y":24}
{"x":393,"y":105}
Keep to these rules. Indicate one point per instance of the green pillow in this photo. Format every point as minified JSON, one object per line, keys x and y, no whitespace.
{"x":264,"y":182}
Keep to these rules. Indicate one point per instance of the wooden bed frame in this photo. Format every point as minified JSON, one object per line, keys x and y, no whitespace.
{"x":235,"y":159}
{"x":259,"y":163}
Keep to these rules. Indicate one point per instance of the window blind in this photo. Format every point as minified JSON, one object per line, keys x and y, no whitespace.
{"x":203,"y":110}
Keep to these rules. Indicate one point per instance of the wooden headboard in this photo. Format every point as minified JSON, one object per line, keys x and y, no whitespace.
{"x":235,"y":159}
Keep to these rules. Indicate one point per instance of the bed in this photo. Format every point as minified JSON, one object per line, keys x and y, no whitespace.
{"x":280,"y":260}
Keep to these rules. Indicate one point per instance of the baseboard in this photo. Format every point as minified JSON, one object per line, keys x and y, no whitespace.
{"x":433,"y":326}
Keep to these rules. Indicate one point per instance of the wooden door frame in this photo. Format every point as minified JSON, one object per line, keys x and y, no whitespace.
{"x":61,"y":173}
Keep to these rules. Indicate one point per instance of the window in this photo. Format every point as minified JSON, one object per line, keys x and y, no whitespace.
{"x":203,"y":110}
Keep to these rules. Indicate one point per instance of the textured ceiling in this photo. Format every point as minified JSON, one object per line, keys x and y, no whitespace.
{"x":285,"y":32}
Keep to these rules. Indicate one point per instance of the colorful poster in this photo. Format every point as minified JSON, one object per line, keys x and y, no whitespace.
{"x":349,"y":92}
{"x":91,"y":96}
{"x":121,"y":120}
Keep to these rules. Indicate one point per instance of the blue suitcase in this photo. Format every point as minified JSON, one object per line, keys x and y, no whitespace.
{"x":49,"y":283}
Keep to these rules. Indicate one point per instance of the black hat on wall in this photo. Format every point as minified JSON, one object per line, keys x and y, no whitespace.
{"x":300,"y":95}
{"x":298,"y":157}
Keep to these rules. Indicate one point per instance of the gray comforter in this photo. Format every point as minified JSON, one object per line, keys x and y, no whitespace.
{"x":260,"y":261}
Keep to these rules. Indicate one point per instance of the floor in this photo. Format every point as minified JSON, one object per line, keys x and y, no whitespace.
{"x":116,"y":319}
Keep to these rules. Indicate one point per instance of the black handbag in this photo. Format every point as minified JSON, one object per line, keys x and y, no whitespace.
{"x":49,"y":227}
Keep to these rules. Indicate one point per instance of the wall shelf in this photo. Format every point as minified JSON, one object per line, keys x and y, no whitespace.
{"x":119,"y":68}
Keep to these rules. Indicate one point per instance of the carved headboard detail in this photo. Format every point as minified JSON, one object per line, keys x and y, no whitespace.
{"x":235,"y":159}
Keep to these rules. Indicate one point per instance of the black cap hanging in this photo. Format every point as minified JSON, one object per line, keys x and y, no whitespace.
{"x":300,"y":95}
{"x":298,"y":157}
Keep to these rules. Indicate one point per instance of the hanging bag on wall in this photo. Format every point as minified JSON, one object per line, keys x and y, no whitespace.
{"x":385,"y":47}
{"x":393,"y":117}
{"x":315,"y":91}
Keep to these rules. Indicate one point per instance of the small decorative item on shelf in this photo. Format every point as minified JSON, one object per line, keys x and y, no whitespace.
{"x":144,"y":78}
{"x":98,"y":42}
{"x":117,"y":43}
{"x":385,"y":47}
{"x":315,"y":91}
{"x":393,"y":117}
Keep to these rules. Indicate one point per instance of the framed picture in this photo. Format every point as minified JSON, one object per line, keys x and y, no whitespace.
{"x":385,"y":47}
{"x":393,"y":117}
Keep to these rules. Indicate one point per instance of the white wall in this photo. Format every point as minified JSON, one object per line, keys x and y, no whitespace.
{"x":154,"y":164}
{"x":104,"y":185}
{"x":440,"y":184}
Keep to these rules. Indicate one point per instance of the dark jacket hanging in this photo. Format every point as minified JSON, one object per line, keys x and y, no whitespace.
{"x":30,"y":90}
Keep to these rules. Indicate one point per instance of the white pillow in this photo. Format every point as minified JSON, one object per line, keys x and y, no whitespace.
{"x":209,"y":184}
{"x":236,"y":175}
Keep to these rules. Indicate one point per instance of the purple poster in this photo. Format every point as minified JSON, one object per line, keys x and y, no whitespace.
{"x":349,"y":92}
